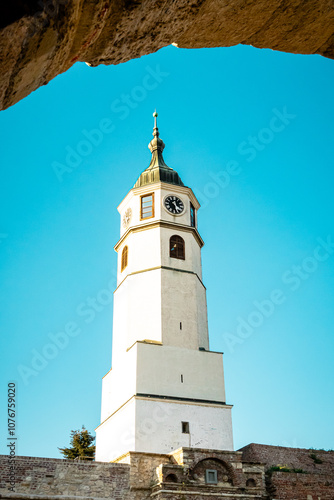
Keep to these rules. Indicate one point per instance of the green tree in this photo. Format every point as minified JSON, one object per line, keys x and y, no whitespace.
{"x":80,"y":446}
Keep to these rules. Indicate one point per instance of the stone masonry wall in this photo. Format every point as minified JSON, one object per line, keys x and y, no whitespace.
{"x":294,"y":458}
{"x":190,"y":456}
{"x":143,"y":470}
{"x":291,"y":486}
{"x":179,"y":475}
{"x":135,"y":476}
{"x":47,"y":477}
{"x":316,"y":482}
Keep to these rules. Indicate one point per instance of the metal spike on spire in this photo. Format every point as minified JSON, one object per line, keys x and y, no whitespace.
{"x":155,"y":129}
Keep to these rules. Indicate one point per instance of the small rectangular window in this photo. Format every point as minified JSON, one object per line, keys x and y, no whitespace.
{"x":185,"y":427}
{"x":147,"y":206}
{"x":181,"y":378}
{"x":211,"y":476}
{"x":192,"y":215}
{"x":180,"y":325}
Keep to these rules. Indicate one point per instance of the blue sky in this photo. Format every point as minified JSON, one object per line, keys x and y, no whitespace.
{"x":251,"y":131}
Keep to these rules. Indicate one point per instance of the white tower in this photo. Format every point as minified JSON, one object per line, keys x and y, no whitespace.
{"x":166,"y":388}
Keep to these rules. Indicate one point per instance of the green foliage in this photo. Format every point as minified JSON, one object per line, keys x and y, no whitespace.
{"x":81,"y":446}
{"x":315,"y":459}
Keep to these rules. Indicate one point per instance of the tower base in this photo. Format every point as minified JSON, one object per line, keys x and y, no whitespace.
{"x":162,"y":425}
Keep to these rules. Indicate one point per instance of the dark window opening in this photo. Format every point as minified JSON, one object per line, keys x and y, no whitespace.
{"x":181,"y":378}
{"x":171,"y":478}
{"x":185,"y":427}
{"x":192,"y":215}
{"x":176,"y":247}
{"x":251,"y":483}
{"x":180,"y":325}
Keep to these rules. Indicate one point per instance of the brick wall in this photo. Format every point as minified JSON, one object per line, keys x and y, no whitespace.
{"x":294,"y":458}
{"x":317,"y":483}
{"x":291,"y":486}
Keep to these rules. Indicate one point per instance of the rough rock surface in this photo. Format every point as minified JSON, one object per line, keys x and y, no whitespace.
{"x":41,"y":38}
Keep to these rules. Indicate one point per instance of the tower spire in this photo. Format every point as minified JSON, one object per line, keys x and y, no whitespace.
{"x":155,"y":130}
{"x":156,"y":146}
{"x":157,"y":169}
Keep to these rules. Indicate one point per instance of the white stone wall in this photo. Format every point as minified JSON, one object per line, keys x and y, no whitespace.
{"x":120,"y":384}
{"x":159,"y":370}
{"x":137,"y":312}
{"x":154,"y":426}
{"x":149,"y":248}
{"x":210,"y":426}
{"x":183,"y":301}
{"x":115,"y":435}
{"x":192,"y":260}
{"x":152,"y":304}
{"x":144,"y":252}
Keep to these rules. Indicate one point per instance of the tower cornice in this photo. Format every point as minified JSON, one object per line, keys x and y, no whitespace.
{"x":160,"y":223}
{"x":162,"y":268}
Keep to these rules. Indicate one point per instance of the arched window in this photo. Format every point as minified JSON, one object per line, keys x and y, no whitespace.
{"x":124,"y":262}
{"x":176,"y":247}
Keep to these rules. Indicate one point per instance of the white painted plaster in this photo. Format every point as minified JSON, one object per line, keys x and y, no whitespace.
{"x":159,"y":370}
{"x":120,"y":384}
{"x":210,"y":426}
{"x":154,"y":426}
{"x":137,"y":312}
{"x":116,"y":435}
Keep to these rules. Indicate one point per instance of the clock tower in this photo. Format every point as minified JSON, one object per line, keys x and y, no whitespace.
{"x":166,"y":388}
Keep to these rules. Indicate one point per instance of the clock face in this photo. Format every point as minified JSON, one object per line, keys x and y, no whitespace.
{"x":127,"y":217}
{"x":174,"y":205}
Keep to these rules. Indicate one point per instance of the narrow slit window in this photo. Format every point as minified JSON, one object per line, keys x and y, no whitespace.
{"x":180,"y":325}
{"x":147,"y":206}
{"x":176,"y":247}
{"x":192,"y":215}
{"x":181,"y":378}
{"x":124,"y":261}
{"x":185,"y":427}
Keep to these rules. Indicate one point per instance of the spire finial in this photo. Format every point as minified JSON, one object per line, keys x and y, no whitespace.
{"x":155,"y":129}
{"x":158,"y":171}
